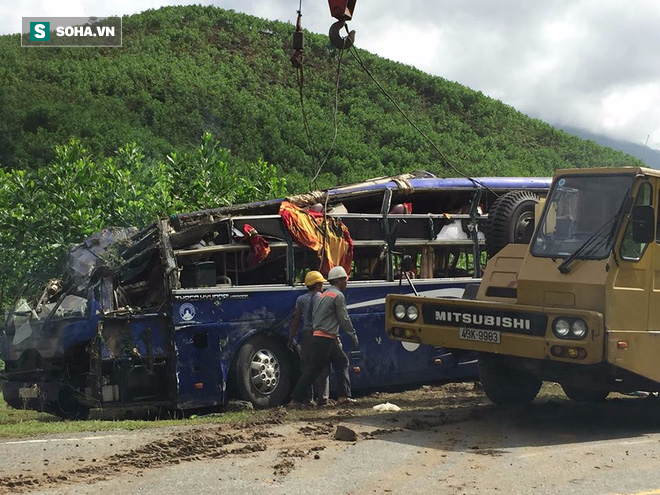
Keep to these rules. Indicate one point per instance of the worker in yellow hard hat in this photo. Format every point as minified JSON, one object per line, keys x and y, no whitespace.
{"x":330,"y":315}
{"x":304,"y":305}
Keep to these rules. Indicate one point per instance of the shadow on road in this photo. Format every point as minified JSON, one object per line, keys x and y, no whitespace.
{"x":471,"y":424}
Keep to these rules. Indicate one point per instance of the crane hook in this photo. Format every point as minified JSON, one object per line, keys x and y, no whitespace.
{"x":337,"y":40}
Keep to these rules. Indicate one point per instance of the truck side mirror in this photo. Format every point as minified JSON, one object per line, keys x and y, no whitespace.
{"x":643,"y":223}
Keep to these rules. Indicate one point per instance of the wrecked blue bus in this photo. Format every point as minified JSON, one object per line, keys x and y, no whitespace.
{"x":194,"y":309}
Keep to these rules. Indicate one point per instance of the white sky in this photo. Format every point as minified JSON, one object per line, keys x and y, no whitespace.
{"x":589,"y":64}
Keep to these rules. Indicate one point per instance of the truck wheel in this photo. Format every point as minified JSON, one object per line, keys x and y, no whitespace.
{"x":504,"y":385}
{"x":262,"y":372}
{"x":510,"y":220}
{"x":584,"y":395}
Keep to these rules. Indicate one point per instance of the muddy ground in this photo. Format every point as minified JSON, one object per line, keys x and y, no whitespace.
{"x":457,"y":416}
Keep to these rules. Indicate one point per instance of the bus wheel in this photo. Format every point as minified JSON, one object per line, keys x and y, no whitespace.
{"x":70,"y":408}
{"x":510,"y":220}
{"x":504,"y":385}
{"x":262,"y":372}
{"x":584,"y":395}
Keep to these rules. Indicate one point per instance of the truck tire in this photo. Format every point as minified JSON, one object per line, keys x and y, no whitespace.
{"x":504,"y":385}
{"x":262,"y":372}
{"x":510,"y":220}
{"x":584,"y":395}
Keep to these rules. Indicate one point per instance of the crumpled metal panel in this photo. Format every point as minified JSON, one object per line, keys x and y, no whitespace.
{"x":85,"y":257}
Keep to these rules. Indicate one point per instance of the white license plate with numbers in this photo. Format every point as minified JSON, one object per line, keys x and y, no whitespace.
{"x":28,"y":392}
{"x":489,"y":336}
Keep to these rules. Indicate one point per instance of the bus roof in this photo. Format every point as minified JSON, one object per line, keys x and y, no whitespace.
{"x":415,"y":181}
{"x":438,"y":183}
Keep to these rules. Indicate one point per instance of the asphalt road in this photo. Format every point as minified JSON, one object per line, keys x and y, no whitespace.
{"x":466,"y":446}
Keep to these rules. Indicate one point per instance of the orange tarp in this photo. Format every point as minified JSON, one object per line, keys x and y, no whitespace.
{"x":328,"y":237}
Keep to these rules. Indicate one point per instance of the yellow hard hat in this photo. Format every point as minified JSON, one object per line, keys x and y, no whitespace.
{"x":313,"y":277}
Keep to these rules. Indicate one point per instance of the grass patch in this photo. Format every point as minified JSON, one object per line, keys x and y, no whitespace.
{"x":18,"y":423}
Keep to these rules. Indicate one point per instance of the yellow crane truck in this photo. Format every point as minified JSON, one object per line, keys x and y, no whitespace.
{"x":579,"y":305}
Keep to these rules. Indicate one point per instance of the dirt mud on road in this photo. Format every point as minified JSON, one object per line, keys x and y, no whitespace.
{"x":446,"y":439}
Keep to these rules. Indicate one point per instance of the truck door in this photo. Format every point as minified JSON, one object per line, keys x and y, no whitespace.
{"x":654,"y":252}
{"x":633,"y":340}
{"x":628,"y":310}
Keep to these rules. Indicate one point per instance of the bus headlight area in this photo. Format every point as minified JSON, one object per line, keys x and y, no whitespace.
{"x":569,"y":328}
{"x":405,"y":312}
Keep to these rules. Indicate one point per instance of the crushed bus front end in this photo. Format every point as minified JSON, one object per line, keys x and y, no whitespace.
{"x":46,"y":360}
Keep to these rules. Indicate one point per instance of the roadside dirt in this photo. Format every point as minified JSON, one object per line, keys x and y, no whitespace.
{"x":290,"y":436}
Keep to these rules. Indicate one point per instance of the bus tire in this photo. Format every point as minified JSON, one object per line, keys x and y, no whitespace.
{"x":578,"y":394}
{"x":510,"y":220}
{"x":69,"y":409}
{"x":504,"y":385}
{"x":189,"y":236}
{"x":262,"y":372}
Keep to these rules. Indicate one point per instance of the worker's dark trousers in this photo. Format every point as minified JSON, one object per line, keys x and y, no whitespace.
{"x":324,"y":351}
{"x":322,"y":383}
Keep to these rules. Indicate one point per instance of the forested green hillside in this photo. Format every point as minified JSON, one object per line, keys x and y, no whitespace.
{"x":91,"y":137}
{"x":183,"y":71}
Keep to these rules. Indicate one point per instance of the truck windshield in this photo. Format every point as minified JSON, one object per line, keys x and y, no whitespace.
{"x":578,"y":209}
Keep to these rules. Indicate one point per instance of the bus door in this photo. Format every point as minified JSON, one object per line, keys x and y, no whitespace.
{"x":133,"y":361}
{"x":199,"y":376}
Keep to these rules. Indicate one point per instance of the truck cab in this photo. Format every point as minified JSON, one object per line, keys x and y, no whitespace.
{"x":579,"y":305}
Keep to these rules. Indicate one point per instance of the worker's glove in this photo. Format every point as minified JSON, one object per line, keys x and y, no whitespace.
{"x":356,"y":342}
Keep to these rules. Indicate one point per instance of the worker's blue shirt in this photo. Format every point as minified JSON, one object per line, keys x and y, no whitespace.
{"x":305,"y":304}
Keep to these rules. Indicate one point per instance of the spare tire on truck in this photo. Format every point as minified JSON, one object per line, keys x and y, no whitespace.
{"x":510,"y":220}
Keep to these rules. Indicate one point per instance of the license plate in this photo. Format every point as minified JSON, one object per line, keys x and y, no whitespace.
{"x":489,"y":336}
{"x":28,"y":392}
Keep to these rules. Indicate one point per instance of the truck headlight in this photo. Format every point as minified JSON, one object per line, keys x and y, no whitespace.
{"x":399,"y":311}
{"x":570,"y":328}
{"x":561,"y":327}
{"x":412,"y":313}
{"x":579,"y":329}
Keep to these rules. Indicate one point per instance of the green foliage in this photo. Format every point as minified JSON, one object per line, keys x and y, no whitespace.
{"x":45,"y":210}
{"x":22,"y":423}
{"x":184,"y":71}
{"x":209,"y":177}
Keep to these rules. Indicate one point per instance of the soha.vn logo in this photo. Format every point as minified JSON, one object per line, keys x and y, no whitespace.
{"x":40,"y":31}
